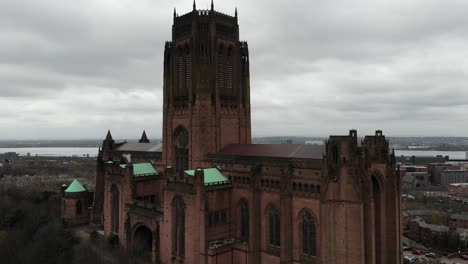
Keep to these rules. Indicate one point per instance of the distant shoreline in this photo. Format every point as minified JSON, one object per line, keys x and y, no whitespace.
{"x":93,"y":152}
{"x":398,"y":143}
{"x":52,"y":151}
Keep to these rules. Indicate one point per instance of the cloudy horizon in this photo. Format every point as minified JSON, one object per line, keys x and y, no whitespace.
{"x":74,"y":69}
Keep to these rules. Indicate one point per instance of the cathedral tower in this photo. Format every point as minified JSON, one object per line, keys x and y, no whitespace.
{"x":206,"y":88}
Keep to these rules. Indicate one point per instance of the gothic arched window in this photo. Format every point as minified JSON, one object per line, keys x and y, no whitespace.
{"x":220,"y":68}
{"x":244,"y":221}
{"x":179,"y":227}
{"x":79,"y":207}
{"x":181,"y":149}
{"x":188,"y":67}
{"x":115,"y":198}
{"x":309,"y":235}
{"x":274,"y":226}
{"x":180,"y":63}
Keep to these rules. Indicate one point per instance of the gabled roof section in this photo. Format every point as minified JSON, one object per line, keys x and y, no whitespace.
{"x":75,"y":187}
{"x":435,"y":228}
{"x":140,"y":147}
{"x":142,"y":169}
{"x":304,"y":151}
{"x":212,"y":176}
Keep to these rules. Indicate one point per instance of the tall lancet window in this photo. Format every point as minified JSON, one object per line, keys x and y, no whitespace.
{"x":181,"y":143}
{"x":188,"y":67}
{"x":229,"y":68}
{"x":179,"y":227}
{"x":244,"y":221}
{"x":115,"y":209}
{"x":220,"y":68}
{"x":274,"y":226}
{"x":180,"y":63}
{"x":309,"y":235}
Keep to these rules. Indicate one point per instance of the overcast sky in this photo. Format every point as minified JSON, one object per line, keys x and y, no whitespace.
{"x":73,"y":69}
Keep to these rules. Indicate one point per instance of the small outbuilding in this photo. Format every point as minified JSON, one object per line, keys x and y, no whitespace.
{"x":75,"y":201}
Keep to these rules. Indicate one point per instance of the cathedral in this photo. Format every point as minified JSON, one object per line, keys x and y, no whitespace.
{"x":207,"y":195}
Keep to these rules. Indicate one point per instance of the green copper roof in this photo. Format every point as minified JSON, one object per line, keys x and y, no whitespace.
{"x":75,"y":186}
{"x":212,"y":176}
{"x":142,"y":169}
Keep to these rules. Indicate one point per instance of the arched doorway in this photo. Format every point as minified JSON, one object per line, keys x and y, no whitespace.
{"x":142,"y":243}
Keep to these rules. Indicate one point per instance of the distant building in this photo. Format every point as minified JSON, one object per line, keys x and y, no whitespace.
{"x":435,"y":171}
{"x":458,"y":221}
{"x":418,"y":230}
{"x":453,"y":176}
{"x":314,"y":142}
{"x":458,"y":189}
{"x":420,"y":160}
{"x":423,"y":233}
{"x":9,"y":156}
{"x":415,"y":180}
{"x":405,"y":169}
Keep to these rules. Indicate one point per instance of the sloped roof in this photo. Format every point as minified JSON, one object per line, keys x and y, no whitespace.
{"x":75,"y":186}
{"x":305,"y":151}
{"x":435,"y":228}
{"x":140,"y":147}
{"x":408,"y":178}
{"x":142,"y":169}
{"x":212,"y":176}
{"x":459,"y":217}
{"x":418,"y":212}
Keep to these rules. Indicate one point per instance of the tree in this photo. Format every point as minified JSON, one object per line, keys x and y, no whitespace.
{"x":437,"y":218}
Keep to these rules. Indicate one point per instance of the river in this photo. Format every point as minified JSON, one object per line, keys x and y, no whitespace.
{"x":92,"y":152}
{"x":54,"y":152}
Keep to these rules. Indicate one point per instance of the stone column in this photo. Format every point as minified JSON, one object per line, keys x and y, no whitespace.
{"x":286,"y":252}
{"x":200,"y":206}
{"x":155,"y":248}
{"x":255,"y":219}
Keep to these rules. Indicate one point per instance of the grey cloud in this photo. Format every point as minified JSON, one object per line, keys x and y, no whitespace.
{"x":70,"y":69}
